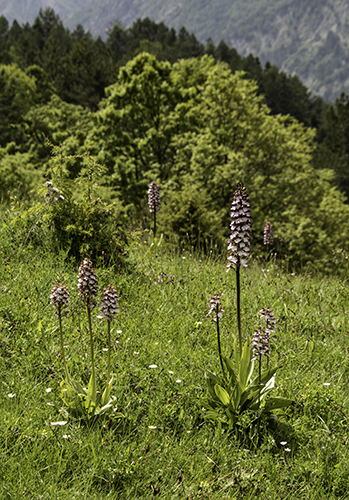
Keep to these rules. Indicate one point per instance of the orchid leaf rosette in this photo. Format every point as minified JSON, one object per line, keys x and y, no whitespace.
{"x":239,"y":390}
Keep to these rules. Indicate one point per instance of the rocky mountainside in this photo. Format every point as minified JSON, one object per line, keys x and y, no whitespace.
{"x":25,"y":11}
{"x":308,"y":38}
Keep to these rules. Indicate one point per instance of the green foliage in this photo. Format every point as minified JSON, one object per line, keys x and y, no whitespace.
{"x":163,"y":445}
{"x":84,"y":224}
{"x":334,"y":148}
{"x":200,"y":129}
{"x":59,"y":123}
{"x":239,"y":392}
{"x":194,"y":127}
{"x":17,"y":95}
{"x":80,"y":67}
{"x":18,"y":176}
{"x":80,"y":224}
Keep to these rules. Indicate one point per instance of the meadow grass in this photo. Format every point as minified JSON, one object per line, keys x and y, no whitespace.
{"x":163,"y":447}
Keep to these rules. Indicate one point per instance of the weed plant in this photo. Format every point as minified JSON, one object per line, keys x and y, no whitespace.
{"x":163,"y":447}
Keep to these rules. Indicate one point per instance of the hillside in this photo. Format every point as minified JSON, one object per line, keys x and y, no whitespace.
{"x":26,"y":10}
{"x":309,"y":39}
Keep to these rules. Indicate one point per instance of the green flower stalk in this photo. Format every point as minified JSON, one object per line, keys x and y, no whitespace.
{"x":216,"y":306}
{"x":60,"y":300}
{"x":154,"y":202}
{"x":88,"y":289}
{"x":239,"y":243}
{"x":109,"y":310}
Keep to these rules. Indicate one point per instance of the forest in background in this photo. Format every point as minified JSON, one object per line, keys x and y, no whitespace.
{"x":153,"y":104}
{"x":309,"y":39}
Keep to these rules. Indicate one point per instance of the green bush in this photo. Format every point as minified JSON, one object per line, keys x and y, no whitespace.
{"x":17,"y":175}
{"x":72,"y":219}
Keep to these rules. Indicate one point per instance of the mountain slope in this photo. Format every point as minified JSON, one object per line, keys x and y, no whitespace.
{"x":25,"y":11}
{"x":308,"y":38}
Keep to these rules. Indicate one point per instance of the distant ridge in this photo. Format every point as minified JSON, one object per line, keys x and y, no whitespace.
{"x":308,"y":38}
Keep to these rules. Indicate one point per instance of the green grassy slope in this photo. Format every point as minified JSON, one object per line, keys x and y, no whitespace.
{"x":163,"y":447}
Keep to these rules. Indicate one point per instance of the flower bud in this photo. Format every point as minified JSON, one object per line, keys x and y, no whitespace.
{"x":87,"y":283}
{"x":154,"y":201}
{"x":109,"y":303}
{"x":60,"y":299}
{"x":240,"y":226}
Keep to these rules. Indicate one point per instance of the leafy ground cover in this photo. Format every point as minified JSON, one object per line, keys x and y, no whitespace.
{"x":164,"y":447}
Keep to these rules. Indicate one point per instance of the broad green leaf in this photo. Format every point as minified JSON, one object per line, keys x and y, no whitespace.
{"x":236,"y":397}
{"x":267,"y":387}
{"x":231,"y":417}
{"x":118,"y":415}
{"x":231,"y":370}
{"x":265,"y":376}
{"x":106,"y":393}
{"x":91,"y":391}
{"x":77,"y":388}
{"x":212,"y":414}
{"x":105,"y":408}
{"x":211,"y":381}
{"x":246,"y":366}
{"x":270,"y":384}
{"x":236,"y":352}
{"x":251,"y":392}
{"x":222,"y":394}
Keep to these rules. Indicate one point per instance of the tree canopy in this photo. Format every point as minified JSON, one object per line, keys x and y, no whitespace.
{"x":197,"y":129}
{"x":196,"y":125}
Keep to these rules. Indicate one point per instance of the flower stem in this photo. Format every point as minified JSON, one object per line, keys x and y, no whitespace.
{"x":62,"y":346}
{"x":154,"y":228}
{"x":259,"y":377}
{"x":92,"y":383}
{"x":219,"y":342}
{"x":108,"y":370}
{"x":238,"y":305}
{"x":91,"y":339}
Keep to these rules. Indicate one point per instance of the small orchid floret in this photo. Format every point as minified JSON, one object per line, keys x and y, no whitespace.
{"x":216,"y":306}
